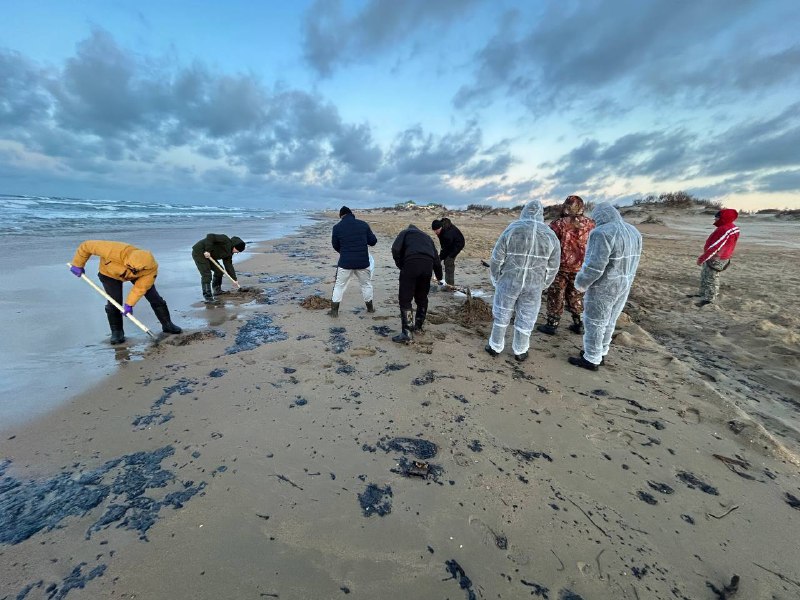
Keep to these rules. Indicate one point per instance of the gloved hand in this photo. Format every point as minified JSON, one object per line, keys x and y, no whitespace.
{"x":77,"y":271}
{"x":207,"y":254}
{"x":127,"y":310}
{"x":236,"y":283}
{"x":699,"y":262}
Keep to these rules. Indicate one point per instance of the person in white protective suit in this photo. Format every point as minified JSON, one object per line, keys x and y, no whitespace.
{"x":524,"y":261}
{"x":612,"y":257}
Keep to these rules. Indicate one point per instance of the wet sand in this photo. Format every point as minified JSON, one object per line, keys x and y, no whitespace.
{"x":263,"y":457}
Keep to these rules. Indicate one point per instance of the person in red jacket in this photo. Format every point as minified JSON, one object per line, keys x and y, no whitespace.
{"x":572,"y":230}
{"x":716,"y":256}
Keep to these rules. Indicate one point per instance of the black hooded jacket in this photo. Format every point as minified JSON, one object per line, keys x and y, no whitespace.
{"x":413,"y":244}
{"x":221,"y":248}
{"x":451,"y":239}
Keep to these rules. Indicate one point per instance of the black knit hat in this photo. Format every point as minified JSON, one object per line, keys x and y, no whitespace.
{"x":238,"y":243}
{"x":345,"y":211}
{"x":437,"y":224}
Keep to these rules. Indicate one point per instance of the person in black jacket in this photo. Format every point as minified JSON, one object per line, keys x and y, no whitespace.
{"x":452,"y":242}
{"x":219,"y":247}
{"x":415,"y":255}
{"x":350,"y":238}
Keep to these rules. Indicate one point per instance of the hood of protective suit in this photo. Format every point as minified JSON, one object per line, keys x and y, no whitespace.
{"x":605,"y":213}
{"x":726,"y":216}
{"x":573,"y":206}
{"x":532,"y":211}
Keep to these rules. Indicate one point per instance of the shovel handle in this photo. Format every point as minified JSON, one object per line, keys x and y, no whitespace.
{"x":102,"y":292}
{"x":221,"y":268}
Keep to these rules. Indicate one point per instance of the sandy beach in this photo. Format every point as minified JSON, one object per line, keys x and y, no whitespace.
{"x":271,"y":454}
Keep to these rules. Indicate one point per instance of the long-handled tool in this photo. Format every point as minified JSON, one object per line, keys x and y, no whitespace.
{"x":221,"y":268}
{"x":102,"y":292}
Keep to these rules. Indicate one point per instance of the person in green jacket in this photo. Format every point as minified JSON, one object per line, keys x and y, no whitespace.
{"x":220,"y":248}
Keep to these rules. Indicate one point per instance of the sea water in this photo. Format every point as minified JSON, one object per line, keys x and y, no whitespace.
{"x":55,"y":332}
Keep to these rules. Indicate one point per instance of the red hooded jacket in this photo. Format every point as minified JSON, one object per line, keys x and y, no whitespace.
{"x":722,"y":242}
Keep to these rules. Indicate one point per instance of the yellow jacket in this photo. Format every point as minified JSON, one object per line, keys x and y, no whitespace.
{"x":121,"y":261}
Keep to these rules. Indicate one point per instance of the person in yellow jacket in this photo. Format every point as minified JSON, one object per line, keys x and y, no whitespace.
{"x":122,"y":262}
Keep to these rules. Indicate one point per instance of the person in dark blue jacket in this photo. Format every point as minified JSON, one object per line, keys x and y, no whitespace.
{"x":350,"y":239}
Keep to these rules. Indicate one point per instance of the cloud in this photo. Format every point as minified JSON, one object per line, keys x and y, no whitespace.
{"x":781,"y":181}
{"x":333,"y":38}
{"x":416,"y":152}
{"x":626,"y":51}
{"x":107,"y":112}
{"x":754,"y":145}
{"x":657,"y":154}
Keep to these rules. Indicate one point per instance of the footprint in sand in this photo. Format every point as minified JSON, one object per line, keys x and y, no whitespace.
{"x":689,"y":415}
{"x":363,"y":352}
{"x":497,"y":539}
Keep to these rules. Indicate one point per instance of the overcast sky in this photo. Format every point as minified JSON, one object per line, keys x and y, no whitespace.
{"x":317,"y":103}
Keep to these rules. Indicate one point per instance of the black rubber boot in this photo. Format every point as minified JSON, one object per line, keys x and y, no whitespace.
{"x":370,"y":307}
{"x":406,"y":336}
{"x":115,"y":323}
{"x":521,"y":357}
{"x":334,"y":311}
{"x":490,"y":351}
{"x":577,"y":325}
{"x":162,"y":314}
{"x":217,"y":290}
{"x":550,"y":327}
{"x":419,"y":319}
{"x":207,"y":295}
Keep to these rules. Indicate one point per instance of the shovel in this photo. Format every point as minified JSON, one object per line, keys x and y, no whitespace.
{"x":222,"y":269}
{"x":102,"y":292}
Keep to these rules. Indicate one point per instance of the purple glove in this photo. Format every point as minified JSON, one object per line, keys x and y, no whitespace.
{"x":77,"y":271}
{"x":128,"y":310}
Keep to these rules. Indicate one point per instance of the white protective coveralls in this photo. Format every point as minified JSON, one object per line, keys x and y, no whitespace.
{"x":612,"y":257}
{"x":524,"y":261}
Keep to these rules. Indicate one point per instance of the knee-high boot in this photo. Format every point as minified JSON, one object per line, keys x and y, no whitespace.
{"x":208,"y":296}
{"x":406,"y":335}
{"x":115,"y":323}
{"x":162,"y":314}
{"x":419,"y":319}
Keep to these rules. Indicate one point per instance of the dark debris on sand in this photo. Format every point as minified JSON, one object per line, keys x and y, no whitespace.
{"x":315,"y":302}
{"x":529,"y":455}
{"x":256,"y":332}
{"x":392,"y":367}
{"x":421,"y":449}
{"x":197,"y":336}
{"x":692,"y":481}
{"x":415,"y":468}
{"x":457,"y":572}
{"x":376,"y":500}
{"x":382,"y":330}
{"x":182,"y":387}
{"x":30,"y":506}
{"x":338,"y":342}
{"x":76,"y":580}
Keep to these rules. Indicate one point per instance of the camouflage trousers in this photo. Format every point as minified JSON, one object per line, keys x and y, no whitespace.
{"x":563,"y":288}
{"x":709,"y":278}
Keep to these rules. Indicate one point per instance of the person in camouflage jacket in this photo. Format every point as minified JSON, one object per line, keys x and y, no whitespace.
{"x":572,"y":230}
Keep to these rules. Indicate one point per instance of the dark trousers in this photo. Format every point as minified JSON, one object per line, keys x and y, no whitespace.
{"x":113,"y":288}
{"x":563,"y":287}
{"x":207,"y":272}
{"x":415,"y":283}
{"x":450,"y":270}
